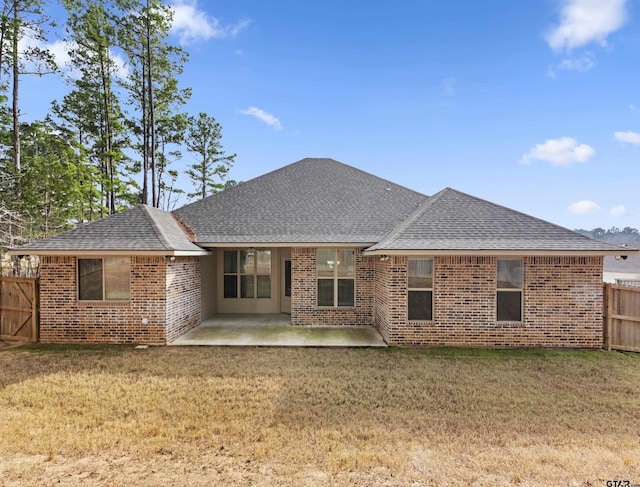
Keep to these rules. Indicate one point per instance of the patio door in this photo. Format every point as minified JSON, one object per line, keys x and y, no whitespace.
{"x":285,"y":286}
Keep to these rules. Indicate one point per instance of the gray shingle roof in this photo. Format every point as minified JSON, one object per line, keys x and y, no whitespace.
{"x":312,"y":200}
{"x":451,"y":220}
{"x":630,"y":265}
{"x":142,"y":228}
{"x":324,"y":201}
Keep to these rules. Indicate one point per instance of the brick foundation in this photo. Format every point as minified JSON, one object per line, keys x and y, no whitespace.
{"x":562,"y":304}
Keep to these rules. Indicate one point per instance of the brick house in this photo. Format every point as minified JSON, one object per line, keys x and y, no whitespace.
{"x":330,"y":245}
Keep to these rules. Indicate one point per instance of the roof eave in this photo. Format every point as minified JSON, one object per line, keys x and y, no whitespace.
{"x":214,"y":245}
{"x":109,"y":253}
{"x":500,"y":252}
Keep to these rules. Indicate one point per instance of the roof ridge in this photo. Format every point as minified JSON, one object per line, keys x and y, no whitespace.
{"x":155,"y":225}
{"x":404,"y":224}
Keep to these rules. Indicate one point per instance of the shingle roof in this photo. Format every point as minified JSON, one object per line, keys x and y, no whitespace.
{"x":316,"y":201}
{"x":142,"y":228}
{"x":630,"y":265}
{"x":312,"y":200}
{"x":451,"y":220}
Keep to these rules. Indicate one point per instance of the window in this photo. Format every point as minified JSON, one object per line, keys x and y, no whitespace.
{"x":247,"y":274}
{"x":420,"y":290}
{"x":104,"y":279}
{"x":336,"y":277}
{"x":509,"y":297}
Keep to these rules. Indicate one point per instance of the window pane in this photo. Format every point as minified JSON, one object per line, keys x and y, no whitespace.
{"x":345,"y":263}
{"x":509,"y":306}
{"x":420,"y":273}
{"x":420,"y":305}
{"x":325,"y":292}
{"x":247,"y":262}
{"x":231,"y":286}
{"x":90,"y":279}
{"x":264,"y":286}
{"x":263,"y":262}
{"x":117,"y":282}
{"x":246,"y":286}
{"x":325,"y":261}
{"x":509,"y":274}
{"x":345,"y":292}
{"x":230,"y":262}
{"x":287,"y":278}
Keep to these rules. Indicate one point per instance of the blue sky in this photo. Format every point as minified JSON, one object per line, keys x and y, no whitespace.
{"x":534,"y":105}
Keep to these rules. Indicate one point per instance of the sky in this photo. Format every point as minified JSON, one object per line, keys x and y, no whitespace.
{"x":531,"y":104}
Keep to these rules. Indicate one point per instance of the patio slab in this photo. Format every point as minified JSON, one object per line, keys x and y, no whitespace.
{"x":275,"y":330}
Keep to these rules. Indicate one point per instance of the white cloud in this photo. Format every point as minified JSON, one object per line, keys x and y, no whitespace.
{"x":559,"y":152}
{"x":586,"y":21}
{"x":584,"y":207}
{"x":628,"y":136}
{"x":449,"y":85}
{"x":192,"y":24}
{"x":263,"y":116}
{"x":618,"y":210}
{"x":581,"y":64}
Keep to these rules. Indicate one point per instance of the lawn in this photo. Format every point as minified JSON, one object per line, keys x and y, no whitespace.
{"x":280,"y":416}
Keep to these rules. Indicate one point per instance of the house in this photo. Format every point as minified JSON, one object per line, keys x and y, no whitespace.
{"x":330,"y":245}
{"x":623,"y":269}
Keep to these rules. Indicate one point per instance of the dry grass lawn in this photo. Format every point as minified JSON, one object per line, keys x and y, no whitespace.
{"x":278,"y":416}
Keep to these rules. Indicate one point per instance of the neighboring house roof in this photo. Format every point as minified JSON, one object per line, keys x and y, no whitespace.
{"x":309,"y":201}
{"x":455,"y":221}
{"x":141,"y":229}
{"x":630,"y":265}
{"x":323,"y":202}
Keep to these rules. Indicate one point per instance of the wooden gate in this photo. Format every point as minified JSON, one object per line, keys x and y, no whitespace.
{"x":622,"y":318}
{"x":18,"y":309}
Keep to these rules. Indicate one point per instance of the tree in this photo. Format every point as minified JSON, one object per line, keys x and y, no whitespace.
{"x":48,"y":181}
{"x":204,"y":141}
{"x":94,"y":103}
{"x":153,"y":84}
{"x":22,"y":31}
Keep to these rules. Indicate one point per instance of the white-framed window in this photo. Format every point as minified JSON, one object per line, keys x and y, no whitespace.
{"x":336,"y":276}
{"x":247,"y":274}
{"x":509,"y":290}
{"x":107,"y":279}
{"x":420,"y":290}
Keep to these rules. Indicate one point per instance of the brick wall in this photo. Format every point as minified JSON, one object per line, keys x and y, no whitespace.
{"x":562,"y":304}
{"x":64,"y":319}
{"x":183,"y":296}
{"x":304,"y":308}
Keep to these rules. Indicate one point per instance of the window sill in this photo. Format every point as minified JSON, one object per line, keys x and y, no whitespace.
{"x":103,"y":303}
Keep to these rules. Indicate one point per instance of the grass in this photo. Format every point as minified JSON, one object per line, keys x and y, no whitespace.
{"x":278,"y":416}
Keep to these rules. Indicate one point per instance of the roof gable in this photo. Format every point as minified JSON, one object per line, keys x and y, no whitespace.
{"x":309,"y":201}
{"x":452,"y":220}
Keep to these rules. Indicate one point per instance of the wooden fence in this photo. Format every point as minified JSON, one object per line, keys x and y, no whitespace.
{"x":18,"y":309}
{"x":622,"y":318}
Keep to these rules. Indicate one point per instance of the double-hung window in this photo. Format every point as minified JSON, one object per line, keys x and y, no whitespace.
{"x":104,"y":279}
{"x":420,"y":290}
{"x":247,"y":274}
{"x":336,"y":277}
{"x":509,"y":293}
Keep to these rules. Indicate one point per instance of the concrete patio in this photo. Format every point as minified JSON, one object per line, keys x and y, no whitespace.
{"x":275,"y":330}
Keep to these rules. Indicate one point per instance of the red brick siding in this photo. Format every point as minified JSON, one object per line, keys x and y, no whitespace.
{"x":562,"y":304}
{"x":304,"y":308}
{"x":183,"y":296}
{"x":165,"y":293}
